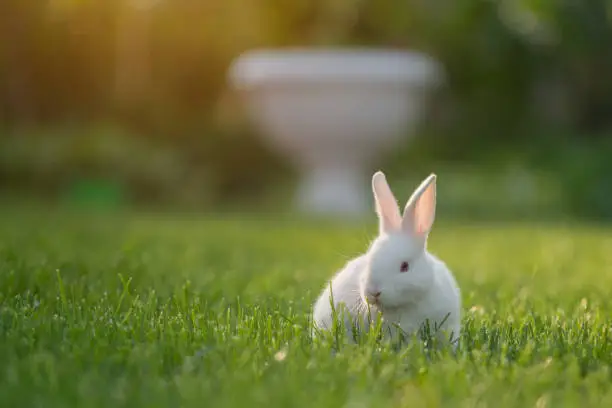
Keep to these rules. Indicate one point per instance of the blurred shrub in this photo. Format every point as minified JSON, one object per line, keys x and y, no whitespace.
{"x":581,"y":166}
{"x":58,"y":161}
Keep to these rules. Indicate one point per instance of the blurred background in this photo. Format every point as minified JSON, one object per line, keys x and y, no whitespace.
{"x":114,"y":103}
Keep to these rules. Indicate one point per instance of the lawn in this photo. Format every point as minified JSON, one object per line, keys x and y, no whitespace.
{"x":196,"y":311}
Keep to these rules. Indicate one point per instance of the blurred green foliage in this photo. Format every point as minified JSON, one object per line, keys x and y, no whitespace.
{"x":525,"y":79}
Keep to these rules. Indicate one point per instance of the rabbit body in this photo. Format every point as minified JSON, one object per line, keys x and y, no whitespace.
{"x":346,"y":293}
{"x":397,"y":277}
{"x":440,"y":306}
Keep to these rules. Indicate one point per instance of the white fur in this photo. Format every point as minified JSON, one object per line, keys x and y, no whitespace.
{"x":428,"y":291}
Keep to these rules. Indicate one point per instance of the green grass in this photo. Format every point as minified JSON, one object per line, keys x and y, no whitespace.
{"x":150,"y":311}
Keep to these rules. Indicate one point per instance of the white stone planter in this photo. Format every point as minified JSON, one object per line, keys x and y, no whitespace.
{"x":334,"y":113}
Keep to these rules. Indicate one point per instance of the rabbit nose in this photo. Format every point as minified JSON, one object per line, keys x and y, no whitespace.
{"x":373,"y":296}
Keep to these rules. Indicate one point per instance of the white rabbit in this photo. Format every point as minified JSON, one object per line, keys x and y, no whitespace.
{"x":397,"y":276}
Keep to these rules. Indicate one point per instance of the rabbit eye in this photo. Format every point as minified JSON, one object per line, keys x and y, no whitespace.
{"x":404,"y":267}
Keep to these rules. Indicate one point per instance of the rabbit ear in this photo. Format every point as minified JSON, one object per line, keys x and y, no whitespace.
{"x":420,"y":210}
{"x":386,"y":204}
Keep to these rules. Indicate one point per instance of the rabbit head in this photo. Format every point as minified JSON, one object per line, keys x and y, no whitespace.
{"x":398,"y":271}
